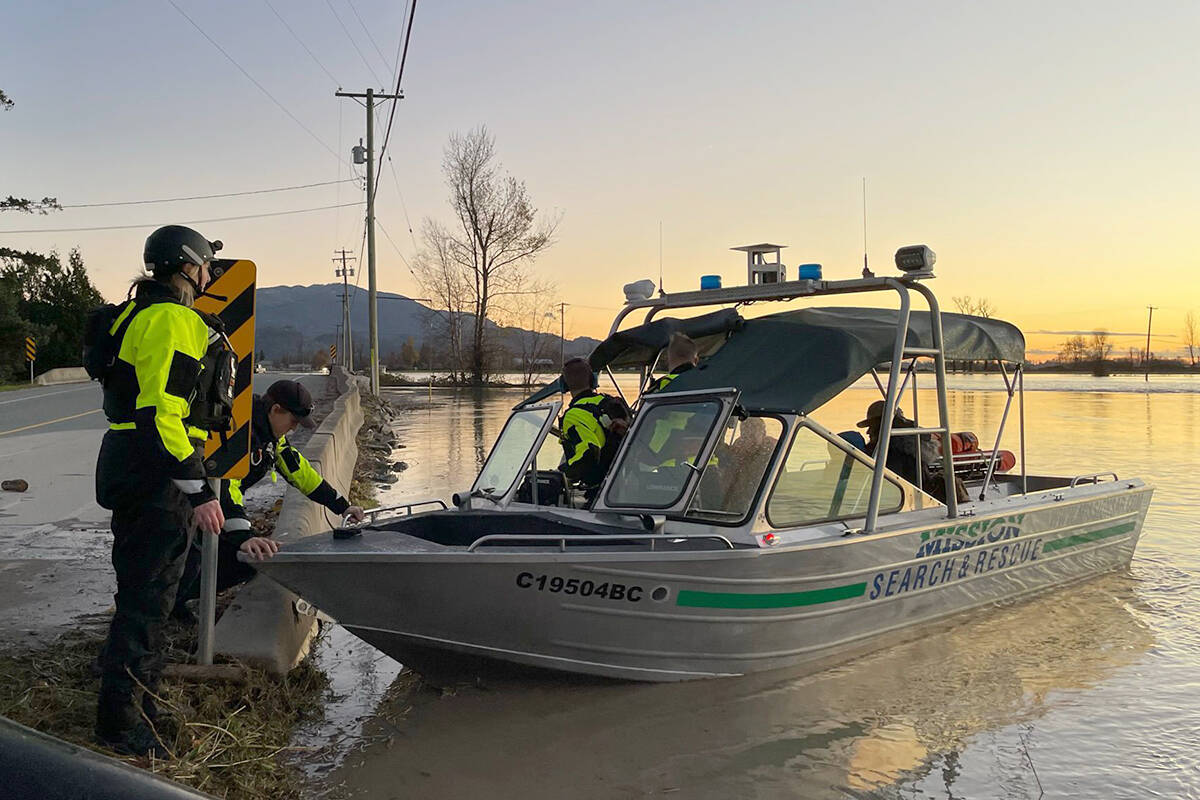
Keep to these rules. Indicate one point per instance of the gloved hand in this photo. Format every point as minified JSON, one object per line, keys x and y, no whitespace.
{"x":209,"y":518}
{"x":260,"y":548}
{"x":355,"y":513}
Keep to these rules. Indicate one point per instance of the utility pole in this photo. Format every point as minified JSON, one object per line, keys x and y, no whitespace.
{"x":562,"y":335}
{"x":1146,"y":363}
{"x":372,"y":288}
{"x":343,"y":273}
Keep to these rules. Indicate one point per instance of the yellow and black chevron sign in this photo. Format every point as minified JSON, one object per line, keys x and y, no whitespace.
{"x":30,"y":348}
{"x":333,"y":352}
{"x":229,"y":457}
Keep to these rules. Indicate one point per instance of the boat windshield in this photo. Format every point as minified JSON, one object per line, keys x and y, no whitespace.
{"x":735,"y":471}
{"x":663,"y":454}
{"x":508,"y":456}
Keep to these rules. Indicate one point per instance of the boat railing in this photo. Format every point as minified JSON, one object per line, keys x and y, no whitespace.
{"x":370,"y":514}
{"x":590,"y":538}
{"x":1093,"y":477}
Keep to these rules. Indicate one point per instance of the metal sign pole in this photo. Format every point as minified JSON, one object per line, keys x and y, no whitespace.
{"x":208,"y":588}
{"x":227,"y":456}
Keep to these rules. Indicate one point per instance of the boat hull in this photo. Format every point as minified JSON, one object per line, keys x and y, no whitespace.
{"x":678,"y":615}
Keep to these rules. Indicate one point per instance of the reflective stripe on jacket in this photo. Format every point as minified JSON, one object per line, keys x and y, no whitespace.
{"x":155,"y":378}
{"x":268,"y":452}
{"x":581,"y":427}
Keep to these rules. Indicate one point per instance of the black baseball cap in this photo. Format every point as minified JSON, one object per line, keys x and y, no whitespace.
{"x":295,"y":398}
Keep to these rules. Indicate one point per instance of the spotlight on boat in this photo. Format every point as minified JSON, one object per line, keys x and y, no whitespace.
{"x":640,"y":290}
{"x":915,"y":258}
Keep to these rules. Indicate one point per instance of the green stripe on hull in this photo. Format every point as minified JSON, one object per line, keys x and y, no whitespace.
{"x":834,"y":593}
{"x":772,"y":600}
{"x":1090,"y":536}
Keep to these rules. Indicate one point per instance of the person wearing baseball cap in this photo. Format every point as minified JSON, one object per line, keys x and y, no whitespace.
{"x":277,"y":412}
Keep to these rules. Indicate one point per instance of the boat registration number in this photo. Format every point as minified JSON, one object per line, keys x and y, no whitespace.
{"x":556,"y":584}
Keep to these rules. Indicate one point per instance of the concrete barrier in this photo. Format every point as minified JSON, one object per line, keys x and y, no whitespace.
{"x":52,"y":377}
{"x":262,"y":627}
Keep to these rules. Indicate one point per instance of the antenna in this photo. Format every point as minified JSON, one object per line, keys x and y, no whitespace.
{"x":866,"y":273}
{"x":660,"y":281}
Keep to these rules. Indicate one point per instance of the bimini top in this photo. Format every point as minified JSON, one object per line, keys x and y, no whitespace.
{"x":796,"y":361}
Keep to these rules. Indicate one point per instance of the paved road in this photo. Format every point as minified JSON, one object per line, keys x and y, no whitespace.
{"x":54,"y":539}
{"x":76,"y":406}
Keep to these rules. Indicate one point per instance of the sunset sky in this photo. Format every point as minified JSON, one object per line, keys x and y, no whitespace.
{"x":1047,"y":151}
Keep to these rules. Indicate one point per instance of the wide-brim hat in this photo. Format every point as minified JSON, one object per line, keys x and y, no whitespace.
{"x":875,"y":411}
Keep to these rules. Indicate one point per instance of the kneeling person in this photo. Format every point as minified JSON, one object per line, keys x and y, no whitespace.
{"x":277,"y":412}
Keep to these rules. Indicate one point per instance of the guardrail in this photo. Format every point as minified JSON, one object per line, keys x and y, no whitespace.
{"x":542,"y":538}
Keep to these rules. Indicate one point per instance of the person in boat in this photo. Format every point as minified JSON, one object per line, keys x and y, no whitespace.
{"x":285,"y":406}
{"x":592,"y":428}
{"x":742,"y":463}
{"x":682,"y":355}
{"x":902,"y":453}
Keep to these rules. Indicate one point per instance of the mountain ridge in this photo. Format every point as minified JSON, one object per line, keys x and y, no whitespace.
{"x":294,"y":321}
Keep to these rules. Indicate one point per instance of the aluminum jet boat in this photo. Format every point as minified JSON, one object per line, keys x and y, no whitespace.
{"x":733,"y":533}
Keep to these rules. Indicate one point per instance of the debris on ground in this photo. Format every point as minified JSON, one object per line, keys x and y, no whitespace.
{"x":14,"y":485}
{"x":229,"y":739}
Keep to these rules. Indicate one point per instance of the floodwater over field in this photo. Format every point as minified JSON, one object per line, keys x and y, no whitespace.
{"x":1089,"y":691}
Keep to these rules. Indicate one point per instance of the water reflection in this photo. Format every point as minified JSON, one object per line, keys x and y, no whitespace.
{"x":1093,"y":683}
{"x":901,"y":714}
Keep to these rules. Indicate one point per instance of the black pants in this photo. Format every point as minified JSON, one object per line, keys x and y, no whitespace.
{"x":152,"y":526}
{"x":230,"y":571}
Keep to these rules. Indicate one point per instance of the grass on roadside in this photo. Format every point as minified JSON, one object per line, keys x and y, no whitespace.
{"x":233,"y":739}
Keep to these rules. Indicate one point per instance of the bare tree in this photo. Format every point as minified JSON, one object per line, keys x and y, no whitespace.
{"x":1191,"y":336}
{"x":486,"y":254}
{"x":532,"y":312}
{"x":1099,"y":349}
{"x":1073,"y":351}
{"x":443,"y":279}
{"x":966,"y":304}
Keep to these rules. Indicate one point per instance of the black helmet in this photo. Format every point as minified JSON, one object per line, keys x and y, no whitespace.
{"x":171,"y":247}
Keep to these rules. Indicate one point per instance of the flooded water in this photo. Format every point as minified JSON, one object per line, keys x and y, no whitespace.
{"x":1090,"y":691}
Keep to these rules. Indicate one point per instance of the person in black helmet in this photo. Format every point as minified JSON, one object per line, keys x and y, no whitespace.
{"x":592,"y":428}
{"x":276,"y":413}
{"x":150,"y":473}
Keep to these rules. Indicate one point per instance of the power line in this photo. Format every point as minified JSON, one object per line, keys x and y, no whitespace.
{"x":206,"y":196}
{"x":183,"y":222}
{"x":353,"y":43}
{"x":250,"y":77}
{"x":403,"y":205}
{"x":367,"y":31}
{"x":394,"y":247}
{"x":400,"y":44}
{"x":399,"y":76}
{"x":392,"y":114}
{"x":302,"y":44}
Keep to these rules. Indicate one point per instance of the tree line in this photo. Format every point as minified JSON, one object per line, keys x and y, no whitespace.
{"x":41,"y":297}
{"x":1095,"y":352}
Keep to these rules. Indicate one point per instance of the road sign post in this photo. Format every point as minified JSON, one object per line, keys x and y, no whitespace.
{"x":31,"y":354}
{"x":227,"y":453}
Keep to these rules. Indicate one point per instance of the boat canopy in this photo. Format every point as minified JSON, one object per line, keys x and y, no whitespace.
{"x":796,"y":361}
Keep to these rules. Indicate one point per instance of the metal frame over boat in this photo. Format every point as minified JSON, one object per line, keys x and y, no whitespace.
{"x":702,"y":557}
